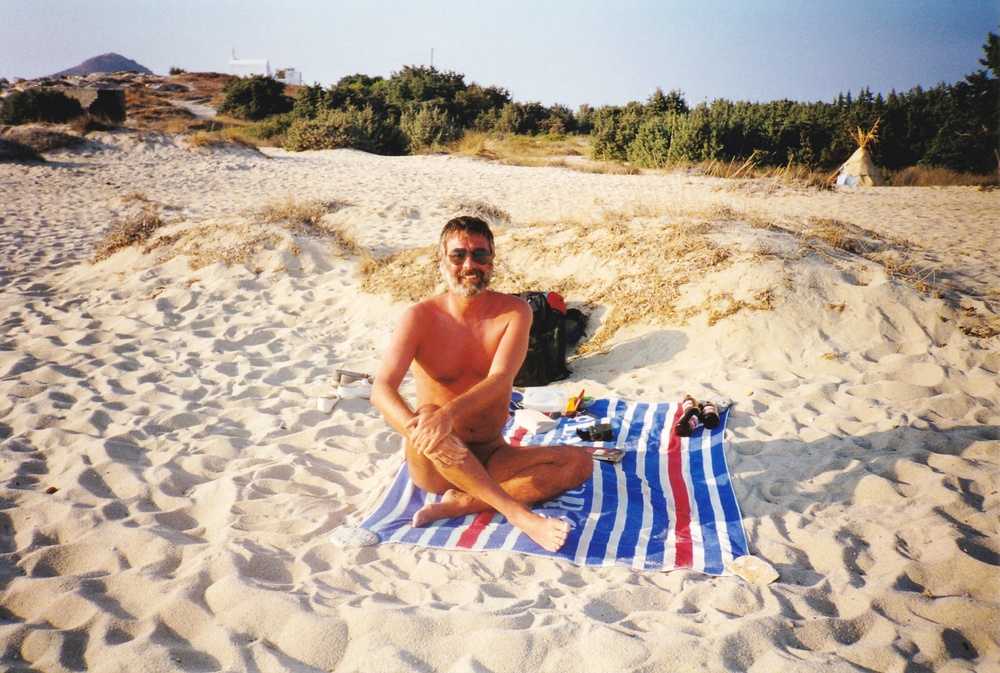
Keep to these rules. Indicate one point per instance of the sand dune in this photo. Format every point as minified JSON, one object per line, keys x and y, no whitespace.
{"x":169,"y":487}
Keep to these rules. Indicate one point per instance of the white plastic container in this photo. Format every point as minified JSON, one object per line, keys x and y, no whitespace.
{"x":546,"y":400}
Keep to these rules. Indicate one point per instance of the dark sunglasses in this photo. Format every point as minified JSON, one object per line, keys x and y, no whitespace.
{"x":479,"y":256}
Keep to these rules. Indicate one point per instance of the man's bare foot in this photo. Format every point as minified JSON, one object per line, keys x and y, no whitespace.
{"x":550,"y":534}
{"x":453,"y":503}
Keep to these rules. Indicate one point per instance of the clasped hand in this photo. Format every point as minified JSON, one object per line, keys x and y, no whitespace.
{"x":431,"y":435}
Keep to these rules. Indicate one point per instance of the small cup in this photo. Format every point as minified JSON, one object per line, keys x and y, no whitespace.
{"x":326,"y":404}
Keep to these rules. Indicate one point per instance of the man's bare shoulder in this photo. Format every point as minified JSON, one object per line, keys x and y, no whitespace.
{"x":426,"y":308}
{"x":509,"y":302}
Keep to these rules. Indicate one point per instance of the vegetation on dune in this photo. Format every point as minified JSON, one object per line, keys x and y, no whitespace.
{"x":42,"y":138}
{"x":39,"y":105}
{"x":951,"y":126}
{"x":255,"y":98}
{"x":128,"y":231}
{"x":15,"y":151}
{"x":949,"y":134}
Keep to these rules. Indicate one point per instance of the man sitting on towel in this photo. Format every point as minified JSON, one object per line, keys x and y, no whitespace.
{"x":466,"y":346}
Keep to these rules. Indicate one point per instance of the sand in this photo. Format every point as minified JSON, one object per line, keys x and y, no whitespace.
{"x":169,"y":488}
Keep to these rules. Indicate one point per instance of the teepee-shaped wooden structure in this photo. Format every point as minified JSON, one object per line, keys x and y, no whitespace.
{"x":860,"y":169}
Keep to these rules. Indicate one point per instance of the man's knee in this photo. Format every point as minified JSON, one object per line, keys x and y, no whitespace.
{"x":582,"y":465}
{"x":424,"y":474}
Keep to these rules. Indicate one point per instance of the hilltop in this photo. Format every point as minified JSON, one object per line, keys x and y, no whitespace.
{"x":110,"y":62}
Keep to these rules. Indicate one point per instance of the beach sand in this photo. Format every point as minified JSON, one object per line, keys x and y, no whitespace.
{"x":169,"y":487}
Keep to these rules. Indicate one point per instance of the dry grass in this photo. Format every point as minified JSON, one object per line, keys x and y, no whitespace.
{"x":566,"y":151}
{"x":924,"y":176}
{"x":979,"y":325}
{"x":272,"y":226}
{"x":521,"y":150}
{"x":42,"y":137}
{"x":643,"y":266}
{"x":791,"y":173}
{"x":209,"y":140}
{"x":232,"y":241}
{"x":725,"y":305}
{"x":152,"y":111}
{"x":295,"y":215}
{"x":407,"y":275}
{"x":488,"y":211}
{"x":130,"y":231}
{"x":895,"y":255}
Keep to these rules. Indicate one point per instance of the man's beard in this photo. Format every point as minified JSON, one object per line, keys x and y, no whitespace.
{"x":467,"y":284}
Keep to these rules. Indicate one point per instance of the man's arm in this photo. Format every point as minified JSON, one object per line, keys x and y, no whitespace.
{"x":386,"y":398}
{"x":385,"y":389}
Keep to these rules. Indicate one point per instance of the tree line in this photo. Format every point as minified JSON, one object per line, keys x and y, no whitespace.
{"x":950,"y":125}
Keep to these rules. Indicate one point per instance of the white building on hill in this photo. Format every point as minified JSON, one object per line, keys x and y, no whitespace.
{"x":244,"y":67}
{"x":288,"y":76}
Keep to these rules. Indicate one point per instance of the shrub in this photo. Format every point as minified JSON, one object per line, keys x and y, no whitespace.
{"x":350,"y":128}
{"x":271,"y":129}
{"x":39,"y":105}
{"x":521,"y":118}
{"x":255,"y":98}
{"x":12,"y":150}
{"x":43,"y":138}
{"x":427,"y":125}
{"x":651,"y":147}
{"x":420,"y":84}
{"x":614,"y":130}
{"x":695,"y":138}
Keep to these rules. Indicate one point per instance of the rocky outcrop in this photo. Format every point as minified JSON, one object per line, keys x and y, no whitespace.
{"x":102,"y":103}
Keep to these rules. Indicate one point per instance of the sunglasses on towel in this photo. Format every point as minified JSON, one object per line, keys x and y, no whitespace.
{"x":479,"y":256}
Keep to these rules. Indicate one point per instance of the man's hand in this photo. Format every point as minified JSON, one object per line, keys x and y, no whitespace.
{"x":431,"y":435}
{"x":447,"y":453}
{"x":429,"y":427}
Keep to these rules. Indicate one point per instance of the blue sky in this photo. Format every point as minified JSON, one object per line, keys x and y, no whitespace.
{"x":549,"y":51}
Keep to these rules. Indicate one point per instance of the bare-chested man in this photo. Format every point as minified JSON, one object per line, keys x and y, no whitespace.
{"x":465,"y":347}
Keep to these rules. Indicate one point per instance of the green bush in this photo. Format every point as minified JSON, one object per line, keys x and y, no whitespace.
{"x":614,"y":130}
{"x":255,"y":98}
{"x":523,"y":119}
{"x":420,"y":84}
{"x":427,"y":125}
{"x":350,"y":128}
{"x":39,"y":105}
{"x":695,"y":138}
{"x":272,"y":127}
{"x":651,"y":147}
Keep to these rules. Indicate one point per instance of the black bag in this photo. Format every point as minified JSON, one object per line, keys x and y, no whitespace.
{"x":546,"y":358}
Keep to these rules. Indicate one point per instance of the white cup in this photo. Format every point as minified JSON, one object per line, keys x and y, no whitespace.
{"x":326,"y":404}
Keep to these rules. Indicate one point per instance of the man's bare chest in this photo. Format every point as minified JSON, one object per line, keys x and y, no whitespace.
{"x":453,"y":352}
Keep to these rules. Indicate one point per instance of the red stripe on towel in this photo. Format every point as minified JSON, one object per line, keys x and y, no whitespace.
{"x":518,"y":436}
{"x":684,"y":549}
{"x":471,"y":534}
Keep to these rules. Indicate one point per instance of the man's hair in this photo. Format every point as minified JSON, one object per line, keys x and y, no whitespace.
{"x":464,"y":224}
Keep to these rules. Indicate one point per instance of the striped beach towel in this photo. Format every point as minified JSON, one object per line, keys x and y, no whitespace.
{"x":668,"y":504}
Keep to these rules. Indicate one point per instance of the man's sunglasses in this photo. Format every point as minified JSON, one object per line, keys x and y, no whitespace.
{"x":479,"y":256}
